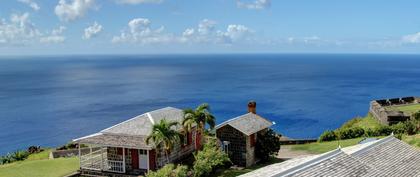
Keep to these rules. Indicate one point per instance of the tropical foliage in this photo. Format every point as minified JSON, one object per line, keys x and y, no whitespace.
{"x":268,"y":144}
{"x":200,"y":116}
{"x":13,"y":157}
{"x":209,"y":159}
{"x":169,"y":170}
{"x":164,"y":135}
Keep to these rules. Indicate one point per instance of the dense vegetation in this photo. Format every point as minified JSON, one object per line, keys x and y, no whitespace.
{"x":369,"y":127}
{"x":268,"y":144}
{"x":170,"y":170}
{"x":19,"y":155}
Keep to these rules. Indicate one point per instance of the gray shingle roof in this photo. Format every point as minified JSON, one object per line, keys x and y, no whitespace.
{"x":133,"y":132}
{"x":391,"y":156}
{"x":136,"y":142}
{"x":337,"y":164}
{"x":248,"y":123}
{"x":385,"y":157}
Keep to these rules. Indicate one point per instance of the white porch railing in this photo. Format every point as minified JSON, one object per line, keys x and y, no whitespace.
{"x":114,"y":166}
{"x":98,"y":160}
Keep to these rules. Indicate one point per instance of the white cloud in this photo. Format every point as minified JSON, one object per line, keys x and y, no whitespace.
{"x":412,"y":38}
{"x":92,"y":31}
{"x":69,"y":11}
{"x":257,"y":4}
{"x":31,"y":4}
{"x":206,"y":33}
{"x":140,"y":31}
{"x":19,"y":30}
{"x":55,"y":36}
{"x":206,"y":27}
{"x":138,"y":1}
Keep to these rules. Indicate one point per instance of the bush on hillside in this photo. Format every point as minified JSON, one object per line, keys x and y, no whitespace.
{"x":169,"y":170}
{"x":209,"y":159}
{"x":328,"y":135}
{"x":268,"y":143}
{"x":13,"y":157}
{"x":349,"y":133}
{"x":416,"y":116}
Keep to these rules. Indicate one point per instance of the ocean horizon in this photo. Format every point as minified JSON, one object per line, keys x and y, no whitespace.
{"x":50,"y":100}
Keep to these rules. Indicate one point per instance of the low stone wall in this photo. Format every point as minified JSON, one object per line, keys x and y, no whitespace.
{"x":297,"y":141}
{"x":378,"y":110}
{"x":70,"y":152}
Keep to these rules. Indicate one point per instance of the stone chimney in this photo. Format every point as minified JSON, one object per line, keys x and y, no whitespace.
{"x":252,"y":106}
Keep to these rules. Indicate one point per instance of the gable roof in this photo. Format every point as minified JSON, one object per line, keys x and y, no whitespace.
{"x":248,"y":124}
{"x":390,"y":155}
{"x":133,"y":132}
{"x":385,"y":157}
{"x":142,"y":125}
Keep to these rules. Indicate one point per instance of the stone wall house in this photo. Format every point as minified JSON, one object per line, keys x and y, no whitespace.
{"x":239,"y":135}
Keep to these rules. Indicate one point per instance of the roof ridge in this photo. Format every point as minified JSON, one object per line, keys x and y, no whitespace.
{"x":374,"y":144}
{"x":230,"y":120}
{"x":310,"y":163}
{"x":139,"y":116}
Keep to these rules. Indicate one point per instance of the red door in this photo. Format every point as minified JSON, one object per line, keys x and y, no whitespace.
{"x":135,"y":158}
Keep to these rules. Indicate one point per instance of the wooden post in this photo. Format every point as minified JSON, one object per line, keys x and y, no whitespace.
{"x":123,"y":149}
{"x":80,"y":156}
{"x":90,"y":154}
{"x":148,"y":166}
{"x":102,"y":158}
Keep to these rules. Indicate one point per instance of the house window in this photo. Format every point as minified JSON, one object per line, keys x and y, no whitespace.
{"x":142,"y":152}
{"x":184,"y":139}
{"x":252,"y":140}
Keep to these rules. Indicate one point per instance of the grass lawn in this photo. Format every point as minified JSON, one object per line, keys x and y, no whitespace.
{"x":236,"y":172}
{"x":40,"y":156}
{"x":38,"y":165}
{"x":410,"y":109}
{"x":367,"y":122}
{"x":413,"y":140}
{"x":317,"y":148}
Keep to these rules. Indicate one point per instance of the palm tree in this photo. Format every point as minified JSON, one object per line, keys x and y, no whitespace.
{"x":163,"y":134}
{"x":200,"y":116}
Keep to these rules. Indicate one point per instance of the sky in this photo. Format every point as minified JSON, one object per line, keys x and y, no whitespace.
{"x":54,"y":27}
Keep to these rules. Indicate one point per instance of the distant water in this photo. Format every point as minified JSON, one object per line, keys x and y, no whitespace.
{"x":48,"y":101}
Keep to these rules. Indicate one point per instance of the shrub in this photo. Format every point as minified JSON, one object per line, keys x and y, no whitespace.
{"x":268,"y":143}
{"x":34,"y":149}
{"x":416,"y":116}
{"x":169,"y":170}
{"x":349,"y":133}
{"x":210,"y":158}
{"x":371,"y":132}
{"x":398,"y":128}
{"x":328,"y":136}
{"x":383,"y":130}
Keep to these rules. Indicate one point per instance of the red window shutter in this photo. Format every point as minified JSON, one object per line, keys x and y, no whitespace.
{"x":152,"y":159}
{"x":189,"y":138}
{"x":252,"y":140}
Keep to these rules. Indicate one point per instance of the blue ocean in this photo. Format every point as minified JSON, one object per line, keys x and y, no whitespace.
{"x":51,"y":100}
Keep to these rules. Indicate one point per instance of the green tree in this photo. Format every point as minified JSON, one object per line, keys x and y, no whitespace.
{"x":416,"y":116}
{"x":169,"y":170}
{"x":200,"y":117}
{"x":268,"y":143}
{"x":209,"y":159}
{"x":164,"y":135}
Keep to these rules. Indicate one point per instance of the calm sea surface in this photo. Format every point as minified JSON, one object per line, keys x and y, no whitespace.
{"x":48,"y":101}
